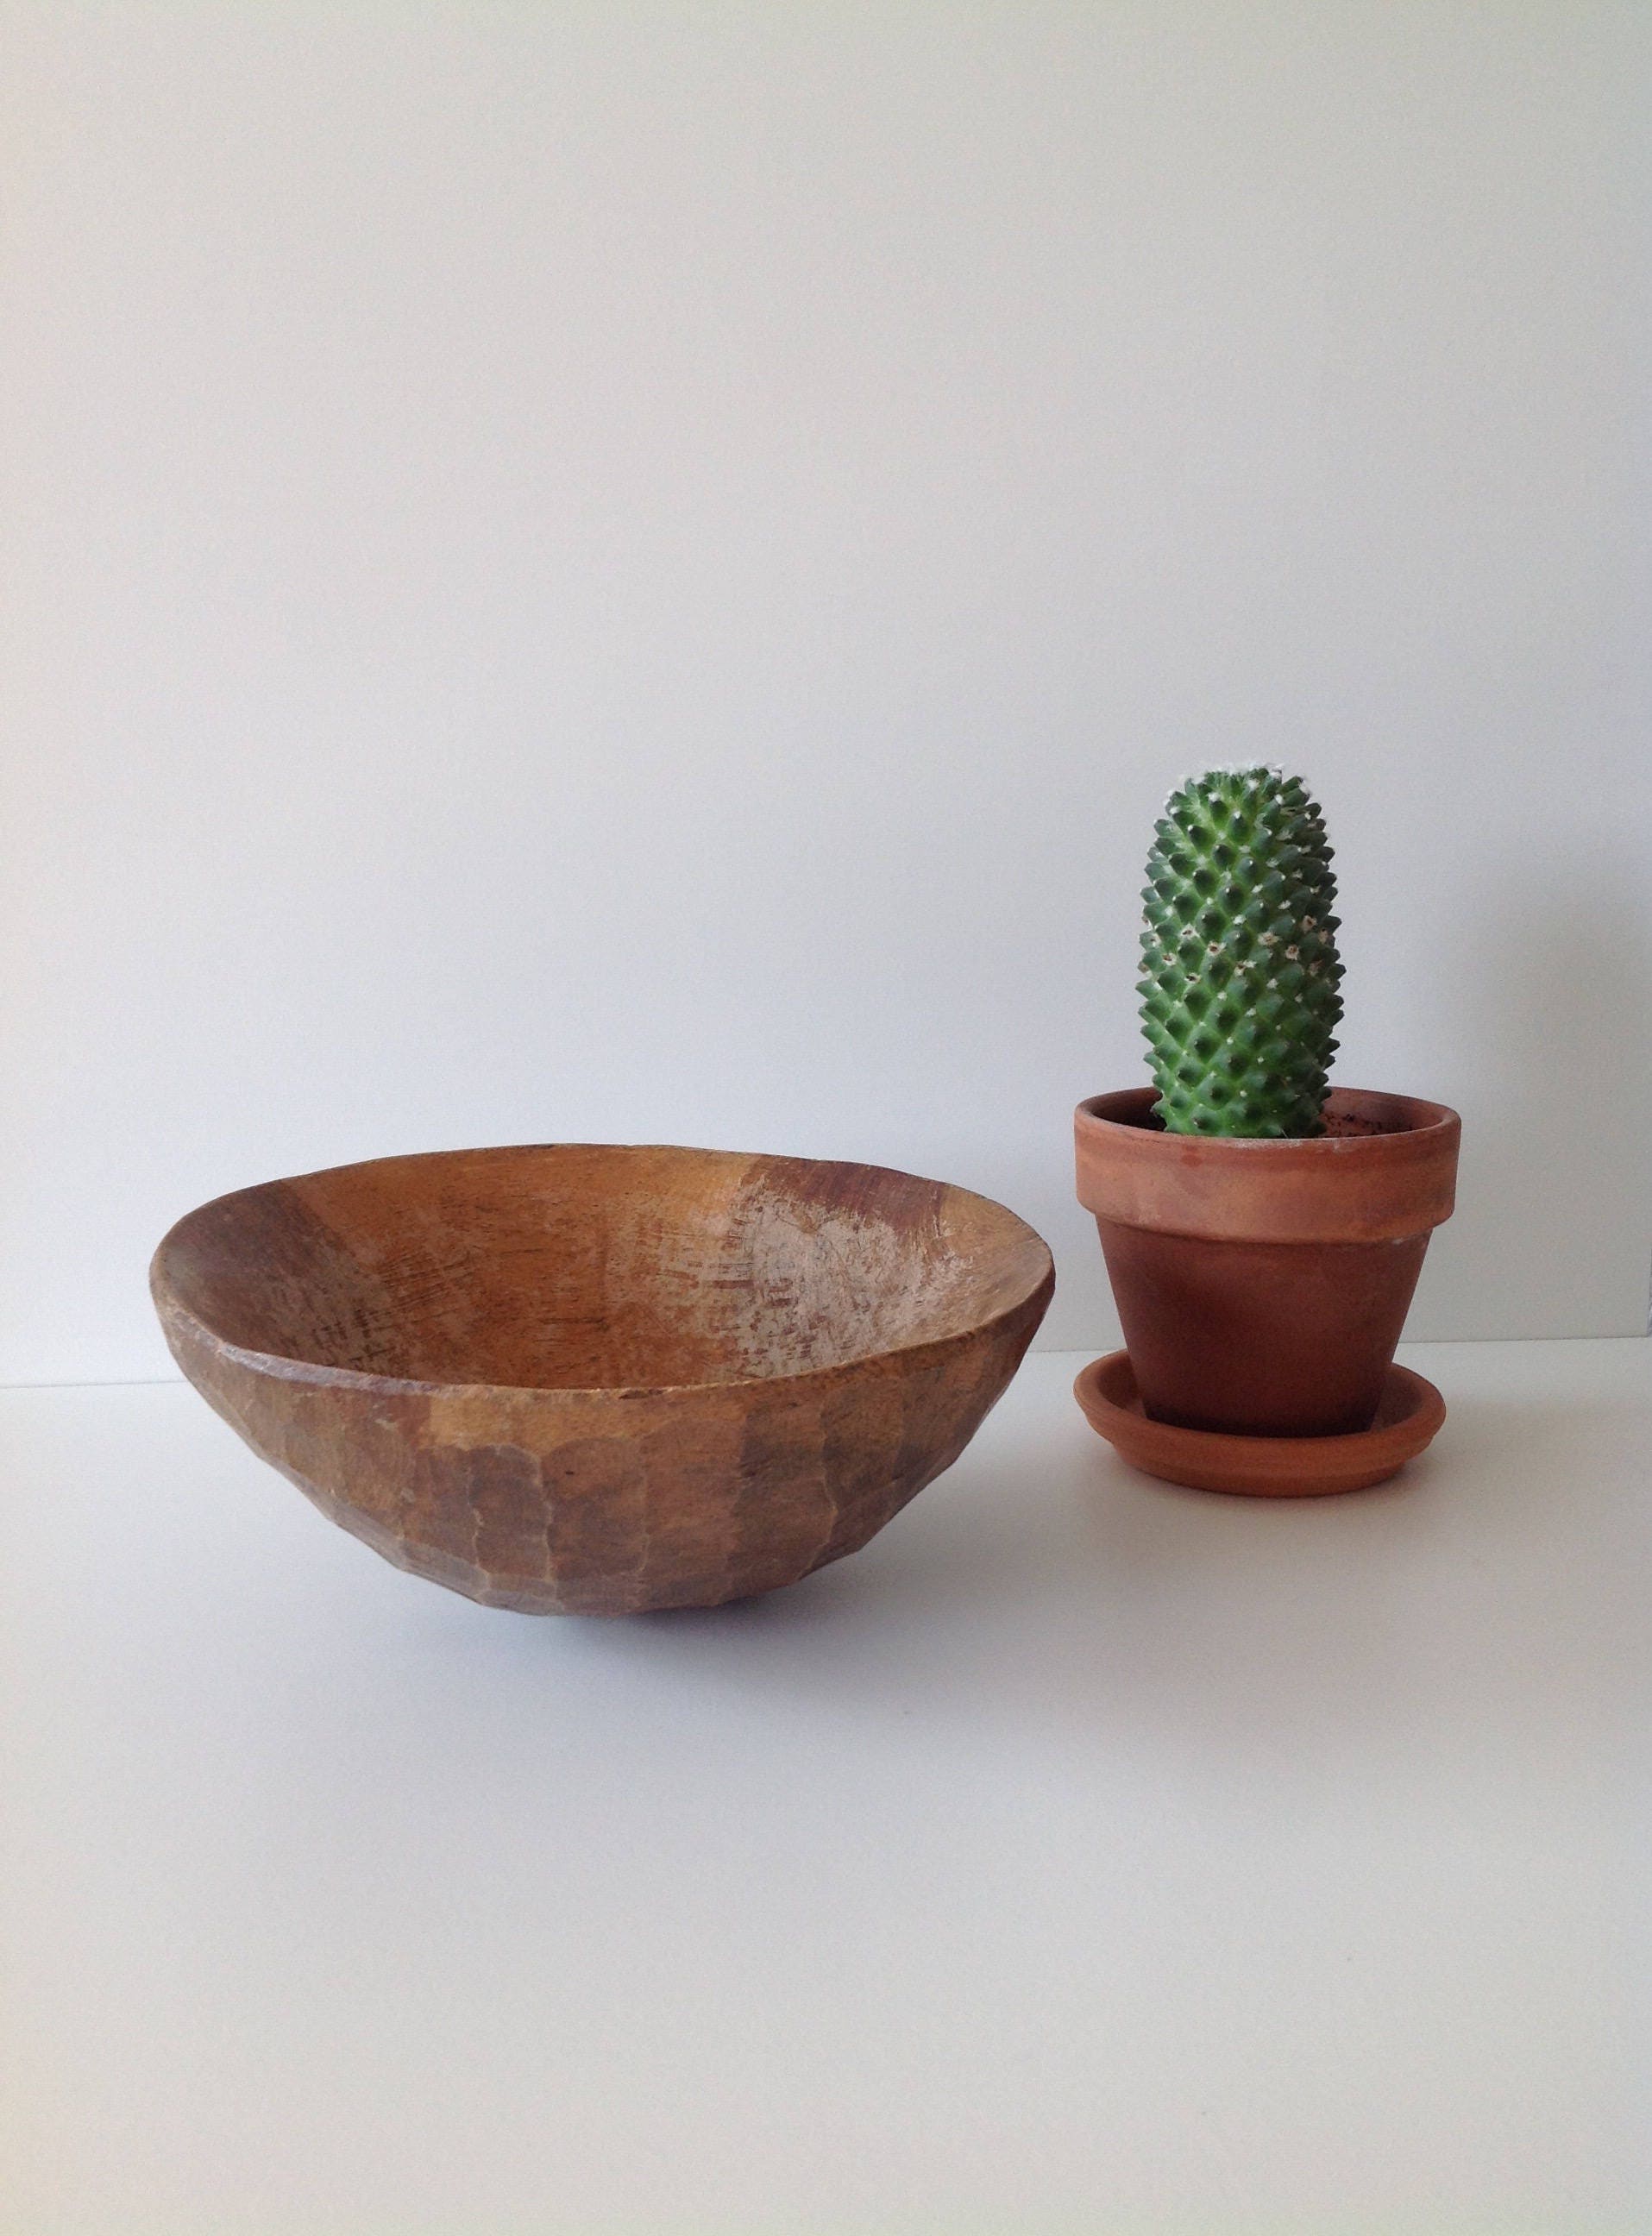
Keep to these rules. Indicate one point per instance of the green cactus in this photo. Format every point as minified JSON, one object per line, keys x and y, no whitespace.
{"x":1240,"y":986}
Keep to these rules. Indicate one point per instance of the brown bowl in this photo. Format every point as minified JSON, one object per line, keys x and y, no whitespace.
{"x":588,"y":1380}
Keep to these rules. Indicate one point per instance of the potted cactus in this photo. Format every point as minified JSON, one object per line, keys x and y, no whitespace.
{"x":1263,"y":1231}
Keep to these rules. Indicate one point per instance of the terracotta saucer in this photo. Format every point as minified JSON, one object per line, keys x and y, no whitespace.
{"x":1260,"y":1467}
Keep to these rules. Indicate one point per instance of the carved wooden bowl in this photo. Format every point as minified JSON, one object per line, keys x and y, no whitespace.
{"x":582,"y":1380}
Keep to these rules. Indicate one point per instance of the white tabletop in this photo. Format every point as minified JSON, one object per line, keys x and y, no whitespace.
{"x":1085,"y":1854}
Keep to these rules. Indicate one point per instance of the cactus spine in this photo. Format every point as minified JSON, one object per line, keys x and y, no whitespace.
{"x":1240,"y":971}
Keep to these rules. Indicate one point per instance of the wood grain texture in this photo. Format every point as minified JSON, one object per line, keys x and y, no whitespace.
{"x":576,"y":1379}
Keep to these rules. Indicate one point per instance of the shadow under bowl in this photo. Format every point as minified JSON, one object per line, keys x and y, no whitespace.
{"x":573,"y":1379}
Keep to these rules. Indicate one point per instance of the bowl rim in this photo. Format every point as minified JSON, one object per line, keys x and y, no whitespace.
{"x":279,"y":1366}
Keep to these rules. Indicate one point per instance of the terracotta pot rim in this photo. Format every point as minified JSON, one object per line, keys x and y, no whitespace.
{"x":1378,"y":1187}
{"x":1437,"y":1118}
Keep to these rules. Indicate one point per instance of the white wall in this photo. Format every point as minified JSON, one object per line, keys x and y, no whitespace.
{"x":639,"y":571}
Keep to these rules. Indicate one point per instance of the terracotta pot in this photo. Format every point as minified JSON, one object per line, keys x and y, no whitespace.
{"x":1262,"y":1284}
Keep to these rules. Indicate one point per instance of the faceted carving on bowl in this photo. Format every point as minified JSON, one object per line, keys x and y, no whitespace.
{"x":576,"y":1379}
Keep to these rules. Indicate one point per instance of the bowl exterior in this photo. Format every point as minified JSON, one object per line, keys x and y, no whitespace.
{"x":612,"y":1501}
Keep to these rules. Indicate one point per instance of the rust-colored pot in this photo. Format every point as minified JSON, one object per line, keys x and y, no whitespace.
{"x":1262,"y":1284}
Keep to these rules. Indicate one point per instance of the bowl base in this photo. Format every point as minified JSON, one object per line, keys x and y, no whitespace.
{"x":1408,"y":1418}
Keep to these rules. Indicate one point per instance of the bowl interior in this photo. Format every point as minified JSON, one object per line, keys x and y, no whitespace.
{"x":576,"y":1267}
